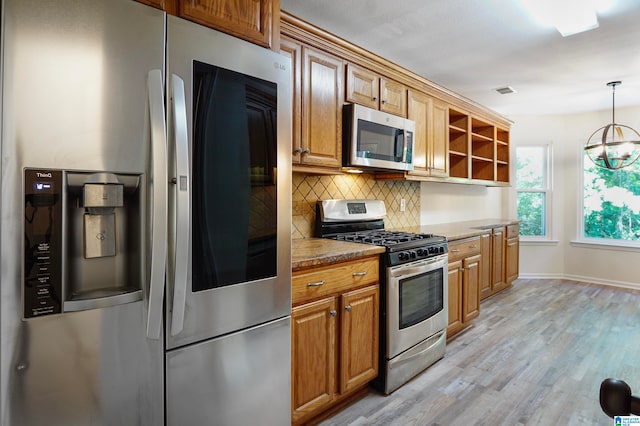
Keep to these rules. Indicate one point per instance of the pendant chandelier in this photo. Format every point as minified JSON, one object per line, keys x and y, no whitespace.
{"x":613,"y":146}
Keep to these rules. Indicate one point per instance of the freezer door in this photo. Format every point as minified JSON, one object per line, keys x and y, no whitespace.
{"x":74,"y":98}
{"x":239,"y":379}
{"x":230,"y":241}
{"x":85,"y":368}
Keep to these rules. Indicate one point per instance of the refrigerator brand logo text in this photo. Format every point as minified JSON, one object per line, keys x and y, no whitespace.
{"x":43,"y":175}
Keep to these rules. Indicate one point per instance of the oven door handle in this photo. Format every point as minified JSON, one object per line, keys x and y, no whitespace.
{"x":421,"y":268}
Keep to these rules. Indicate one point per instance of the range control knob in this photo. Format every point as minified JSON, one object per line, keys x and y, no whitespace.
{"x":403,"y":255}
{"x":421,"y":252}
{"x":412,"y":254}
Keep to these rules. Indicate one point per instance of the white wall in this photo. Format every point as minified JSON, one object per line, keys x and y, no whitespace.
{"x":449,"y":202}
{"x":442,"y":203}
{"x":568,"y":134}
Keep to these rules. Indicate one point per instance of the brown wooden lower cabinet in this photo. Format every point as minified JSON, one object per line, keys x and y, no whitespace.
{"x":512,"y":253}
{"x":500,"y":250}
{"x":335,"y":320}
{"x":313,"y":358}
{"x":485,"y":265}
{"x":497,"y":260}
{"x":464,"y":283}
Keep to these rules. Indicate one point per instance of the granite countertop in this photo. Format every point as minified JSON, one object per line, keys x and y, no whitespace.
{"x":309,"y":252}
{"x":459,"y":230}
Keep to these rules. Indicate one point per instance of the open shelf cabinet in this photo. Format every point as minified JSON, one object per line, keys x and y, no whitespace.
{"x":458,"y":144}
{"x":478,"y":149}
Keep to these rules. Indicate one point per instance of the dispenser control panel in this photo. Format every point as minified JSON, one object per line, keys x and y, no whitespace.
{"x":42,"y":292}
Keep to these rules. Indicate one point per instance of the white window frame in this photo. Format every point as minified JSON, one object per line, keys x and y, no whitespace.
{"x":603,"y":243}
{"x":547,"y":191}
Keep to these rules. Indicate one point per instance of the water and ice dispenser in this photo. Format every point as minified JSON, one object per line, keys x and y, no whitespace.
{"x":83,"y":240}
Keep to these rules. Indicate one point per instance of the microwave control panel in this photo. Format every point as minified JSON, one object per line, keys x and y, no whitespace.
{"x":42,"y":286}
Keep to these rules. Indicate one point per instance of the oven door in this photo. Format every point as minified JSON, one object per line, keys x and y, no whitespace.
{"x":417,"y":299}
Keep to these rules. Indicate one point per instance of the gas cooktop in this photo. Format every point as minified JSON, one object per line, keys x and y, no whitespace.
{"x":360,"y":221}
{"x":388,"y":239}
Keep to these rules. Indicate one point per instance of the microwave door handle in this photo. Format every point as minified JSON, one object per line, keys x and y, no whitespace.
{"x":159,"y":178}
{"x":182,"y":183}
{"x":400,"y":146}
{"x":408,"y":146}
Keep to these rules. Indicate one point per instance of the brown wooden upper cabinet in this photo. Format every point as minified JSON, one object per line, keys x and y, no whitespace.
{"x":160,"y":4}
{"x":317,"y":90}
{"x":257,"y":21}
{"x":367,"y":88}
{"x":430,"y":147}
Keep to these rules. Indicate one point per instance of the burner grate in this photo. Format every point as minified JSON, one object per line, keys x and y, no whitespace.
{"x":381,"y":238}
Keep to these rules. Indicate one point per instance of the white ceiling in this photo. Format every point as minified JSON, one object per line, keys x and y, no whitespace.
{"x":475,"y":46}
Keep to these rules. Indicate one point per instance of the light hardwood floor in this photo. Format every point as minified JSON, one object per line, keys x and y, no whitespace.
{"x":536,"y":356}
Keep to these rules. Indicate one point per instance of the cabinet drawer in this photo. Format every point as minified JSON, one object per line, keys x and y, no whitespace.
{"x":464,"y":248}
{"x":513,"y":231}
{"x":337,"y":278}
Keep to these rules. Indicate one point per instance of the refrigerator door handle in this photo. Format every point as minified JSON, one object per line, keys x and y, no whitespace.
{"x":182,"y":182}
{"x":159,"y":224}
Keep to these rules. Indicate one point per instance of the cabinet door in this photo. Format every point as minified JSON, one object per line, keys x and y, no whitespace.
{"x":160,"y":4}
{"x":497,"y":248}
{"x":438,"y":148}
{"x":322,"y":99}
{"x":455,"y":298}
{"x":293,"y":50}
{"x":512,"y":256}
{"x":363,"y":86}
{"x":313,"y":358}
{"x":485,"y":265}
{"x":393,"y":97}
{"x":471,"y":288}
{"x":359,"y":337}
{"x":418,"y":110}
{"x":251,"y":20}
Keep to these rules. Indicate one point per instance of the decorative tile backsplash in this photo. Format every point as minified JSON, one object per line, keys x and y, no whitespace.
{"x":307,"y":189}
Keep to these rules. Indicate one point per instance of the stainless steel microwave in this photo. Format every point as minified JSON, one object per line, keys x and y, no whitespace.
{"x":376,"y":139}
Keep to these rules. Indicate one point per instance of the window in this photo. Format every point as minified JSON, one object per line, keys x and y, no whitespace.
{"x":611,"y":204}
{"x":533,"y":185}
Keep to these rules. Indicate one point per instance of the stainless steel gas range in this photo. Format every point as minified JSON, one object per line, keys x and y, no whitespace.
{"x":413,"y":292}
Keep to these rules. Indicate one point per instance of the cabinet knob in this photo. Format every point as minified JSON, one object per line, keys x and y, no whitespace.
{"x":383,"y":101}
{"x":298,"y":150}
{"x":306,"y":151}
{"x":333,"y":313}
{"x":375,"y":98}
{"x":359,"y":274}
{"x":347,"y":308}
{"x":316,"y":284}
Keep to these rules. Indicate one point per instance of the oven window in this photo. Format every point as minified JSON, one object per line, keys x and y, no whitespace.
{"x":421,"y":297}
{"x":234,"y":203}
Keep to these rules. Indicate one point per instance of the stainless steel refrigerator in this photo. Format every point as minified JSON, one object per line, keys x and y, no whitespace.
{"x":145,"y":220}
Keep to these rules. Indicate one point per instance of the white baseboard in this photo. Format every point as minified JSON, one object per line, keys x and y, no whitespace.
{"x":612,"y":283}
